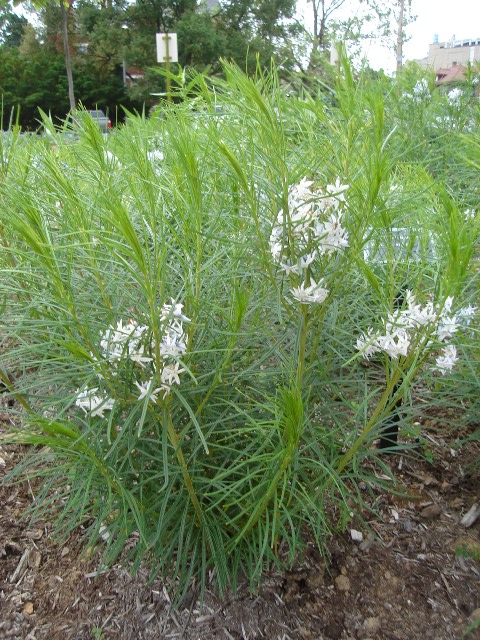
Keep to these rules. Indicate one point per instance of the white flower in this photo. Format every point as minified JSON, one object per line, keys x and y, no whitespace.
{"x":155,"y":156}
{"x":395,"y":323}
{"x":312,"y":293}
{"x":173,"y":343}
{"x":130,"y":341}
{"x":114,"y":341}
{"x":337,"y":190}
{"x":145,"y":392}
{"x":454,"y":97}
{"x":137,"y":354}
{"x":173,"y":310}
{"x":447,"y":326}
{"x":394,"y":344}
{"x":416,"y":316}
{"x":312,"y":225}
{"x":170,"y":374}
{"x":303,"y":263}
{"x":276,"y":250}
{"x":447,"y":305}
{"x":367,"y":344}
{"x":421,"y":90}
{"x":288,"y":268}
{"x":300,"y":193}
{"x":324,"y":205}
{"x":446,"y":361}
{"x":331,"y":235}
{"x":467,"y":313}
{"x":402,"y":327}
{"x":91,"y":402}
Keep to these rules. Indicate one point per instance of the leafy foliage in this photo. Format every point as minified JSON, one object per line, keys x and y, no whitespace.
{"x":11,"y":26}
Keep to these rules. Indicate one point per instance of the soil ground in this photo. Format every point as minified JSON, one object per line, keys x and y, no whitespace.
{"x":414,"y":576}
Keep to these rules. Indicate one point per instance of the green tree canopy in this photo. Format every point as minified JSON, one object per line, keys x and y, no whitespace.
{"x":11,"y":25}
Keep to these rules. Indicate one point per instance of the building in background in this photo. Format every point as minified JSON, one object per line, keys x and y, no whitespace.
{"x":449,"y":60}
{"x":445,"y":55}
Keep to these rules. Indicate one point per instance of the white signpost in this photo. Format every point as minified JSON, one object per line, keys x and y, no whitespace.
{"x":167,"y":52}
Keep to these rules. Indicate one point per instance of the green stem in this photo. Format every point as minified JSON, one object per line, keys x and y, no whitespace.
{"x":175,"y":442}
{"x":293,"y":434}
{"x":371,"y":423}
{"x":302,"y":345}
{"x":219,"y":371}
{"x":257,"y":513}
{"x":18,"y":396}
{"x":292,"y":420}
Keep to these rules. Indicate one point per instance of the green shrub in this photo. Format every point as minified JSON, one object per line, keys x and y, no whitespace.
{"x":187,"y":304}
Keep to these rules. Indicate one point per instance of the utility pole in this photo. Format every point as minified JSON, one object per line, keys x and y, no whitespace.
{"x":66,"y":49}
{"x":400,"y":36}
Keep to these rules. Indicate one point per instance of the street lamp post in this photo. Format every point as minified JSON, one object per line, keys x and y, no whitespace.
{"x":124,"y":62}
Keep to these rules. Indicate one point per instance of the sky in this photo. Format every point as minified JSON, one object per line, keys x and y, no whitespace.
{"x":460,"y":18}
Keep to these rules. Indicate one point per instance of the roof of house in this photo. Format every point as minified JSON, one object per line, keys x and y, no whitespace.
{"x":456,"y":73}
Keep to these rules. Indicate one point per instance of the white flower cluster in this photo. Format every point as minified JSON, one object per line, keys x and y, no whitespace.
{"x":312,"y":293}
{"x":311,"y":228}
{"x":401,"y":328}
{"x":93,"y":401}
{"x":421,"y":91}
{"x":131,"y":342}
{"x":469,"y":214}
{"x":446,"y":360}
{"x":155,"y":158}
{"x":454,"y":97}
{"x":125,"y":340}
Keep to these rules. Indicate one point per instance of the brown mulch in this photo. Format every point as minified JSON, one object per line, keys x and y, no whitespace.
{"x":414,"y":576}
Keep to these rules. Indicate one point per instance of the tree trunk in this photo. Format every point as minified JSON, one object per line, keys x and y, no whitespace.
{"x":400,"y":37}
{"x":315,"y":24}
{"x":68,"y":61}
{"x":318,"y":52}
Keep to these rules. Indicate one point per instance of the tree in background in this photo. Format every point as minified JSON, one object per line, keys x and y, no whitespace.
{"x":11,"y":25}
{"x":101,"y":42}
{"x":66,"y":9}
{"x":100,"y":36}
{"x":32,"y":76}
{"x":260,"y":28}
{"x":108,"y":46}
{"x":335,"y":20}
{"x":201,"y":41}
